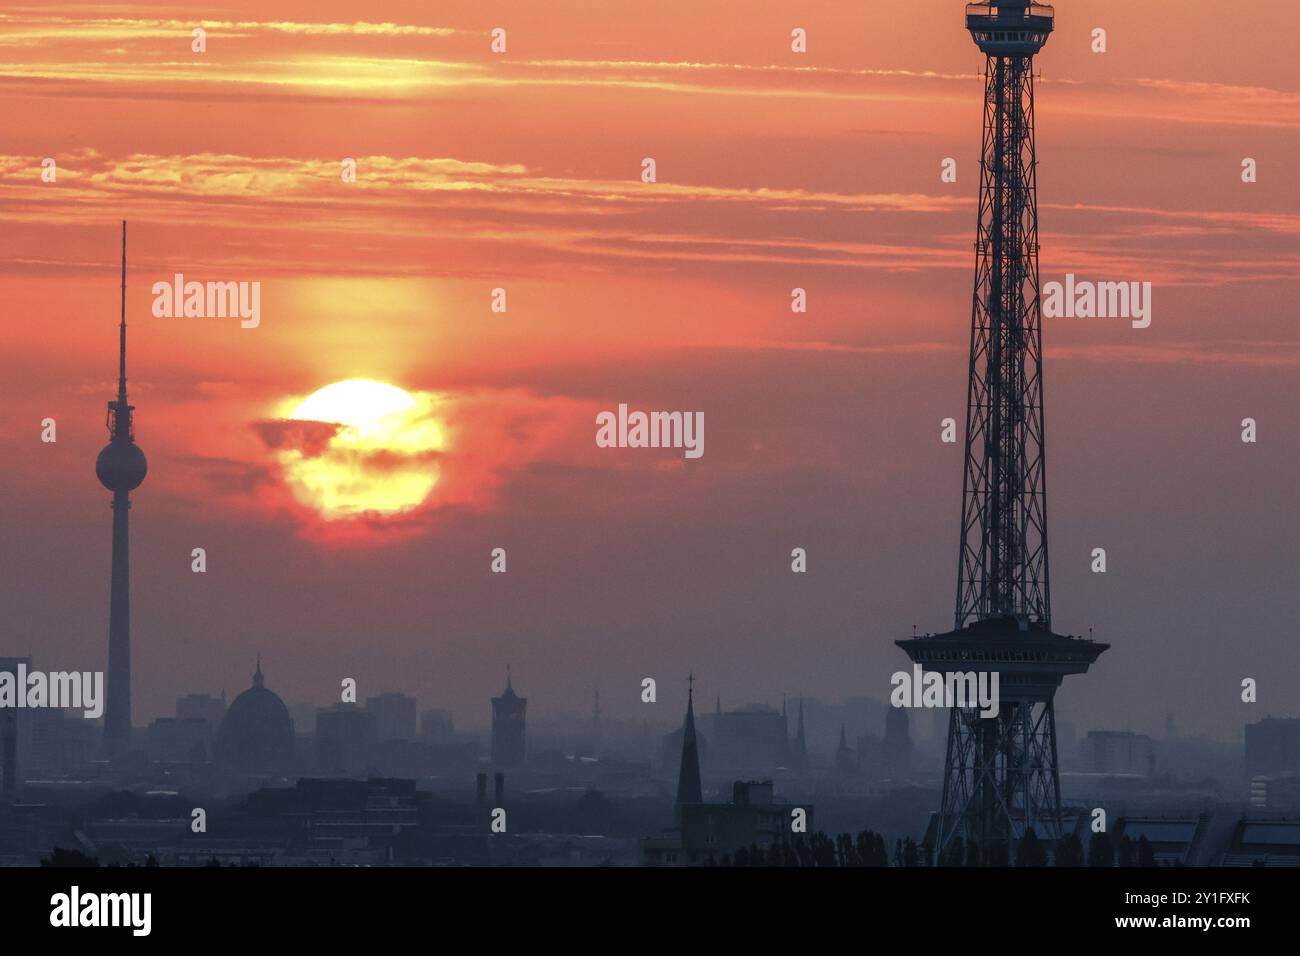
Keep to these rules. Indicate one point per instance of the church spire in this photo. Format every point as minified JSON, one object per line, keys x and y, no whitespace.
{"x":688,"y":778}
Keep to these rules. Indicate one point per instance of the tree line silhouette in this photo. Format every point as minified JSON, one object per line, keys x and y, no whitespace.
{"x":868,"y":848}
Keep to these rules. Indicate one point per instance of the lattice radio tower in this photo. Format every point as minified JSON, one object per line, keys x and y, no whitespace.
{"x":1001,"y":775}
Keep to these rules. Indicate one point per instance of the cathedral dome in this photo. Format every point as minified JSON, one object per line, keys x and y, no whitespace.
{"x":257,"y":732}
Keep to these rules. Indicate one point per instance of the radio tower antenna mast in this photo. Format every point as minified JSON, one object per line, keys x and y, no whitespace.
{"x":1001,"y":777}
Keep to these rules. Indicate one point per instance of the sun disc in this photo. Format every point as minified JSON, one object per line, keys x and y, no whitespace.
{"x":381,"y":457}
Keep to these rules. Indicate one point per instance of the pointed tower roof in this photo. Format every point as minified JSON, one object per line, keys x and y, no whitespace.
{"x":258,"y":681}
{"x":688,"y":777}
{"x":509,"y":691}
{"x":844,"y":742}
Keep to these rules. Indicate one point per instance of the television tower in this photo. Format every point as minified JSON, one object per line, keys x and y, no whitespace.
{"x":1000,"y":776}
{"x":120,"y":467}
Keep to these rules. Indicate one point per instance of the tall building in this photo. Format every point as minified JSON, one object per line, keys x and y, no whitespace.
{"x":1276,"y":793}
{"x":800,"y":757}
{"x":15,"y":732}
{"x":1119,"y":751}
{"x":394,"y":716}
{"x":1001,"y":777}
{"x":346,"y":740}
{"x":751,"y":739}
{"x":1273,"y":746}
{"x":120,"y":467}
{"x":509,"y":740}
{"x":437,"y":726}
{"x":897,"y":745}
{"x":62,"y":742}
{"x":202,"y":706}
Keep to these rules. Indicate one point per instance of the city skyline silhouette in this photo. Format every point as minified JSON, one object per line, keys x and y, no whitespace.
{"x":386,"y":281}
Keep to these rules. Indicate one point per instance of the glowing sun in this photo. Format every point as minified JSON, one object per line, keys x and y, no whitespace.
{"x":373,"y":449}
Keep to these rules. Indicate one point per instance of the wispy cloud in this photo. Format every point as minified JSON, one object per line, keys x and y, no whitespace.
{"x":480,"y":208}
{"x":27,"y":29}
{"x":89,"y":54}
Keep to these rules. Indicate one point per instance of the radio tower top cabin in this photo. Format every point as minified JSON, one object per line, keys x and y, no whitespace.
{"x":1001,"y":777}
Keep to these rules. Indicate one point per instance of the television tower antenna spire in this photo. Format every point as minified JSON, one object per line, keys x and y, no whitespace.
{"x":121,"y":350}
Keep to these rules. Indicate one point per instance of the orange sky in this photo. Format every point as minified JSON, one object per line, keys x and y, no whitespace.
{"x":522,"y":171}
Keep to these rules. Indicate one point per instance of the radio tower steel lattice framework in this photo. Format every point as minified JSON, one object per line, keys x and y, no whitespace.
{"x":1001,"y":776}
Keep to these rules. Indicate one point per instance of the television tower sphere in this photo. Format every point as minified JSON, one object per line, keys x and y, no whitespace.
{"x":121,"y":466}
